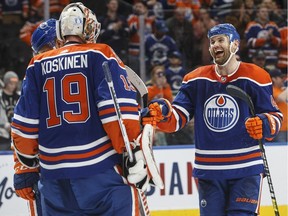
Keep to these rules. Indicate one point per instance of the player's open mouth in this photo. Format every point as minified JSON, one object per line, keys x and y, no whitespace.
{"x":218,"y":53}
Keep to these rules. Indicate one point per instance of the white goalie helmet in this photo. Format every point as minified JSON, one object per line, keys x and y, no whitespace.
{"x":76,"y":19}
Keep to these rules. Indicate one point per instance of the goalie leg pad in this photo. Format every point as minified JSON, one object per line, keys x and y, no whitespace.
{"x":146,"y":146}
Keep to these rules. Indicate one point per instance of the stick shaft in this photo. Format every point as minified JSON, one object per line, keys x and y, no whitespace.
{"x":109,"y":81}
{"x":238,"y":92}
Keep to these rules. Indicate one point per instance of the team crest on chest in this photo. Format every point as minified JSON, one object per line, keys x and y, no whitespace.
{"x":221,"y":112}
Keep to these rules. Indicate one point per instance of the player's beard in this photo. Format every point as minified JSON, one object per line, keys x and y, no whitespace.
{"x":222,"y":58}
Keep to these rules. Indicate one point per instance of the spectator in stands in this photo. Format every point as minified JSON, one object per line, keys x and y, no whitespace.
{"x":283,"y":53}
{"x":158,"y":45}
{"x":158,"y":87}
{"x":157,"y":7}
{"x":250,"y":9}
{"x":114,"y":30}
{"x":200,"y":29}
{"x":275,"y":13}
{"x":36,"y":16}
{"x":220,"y":9}
{"x":181,"y":31}
{"x":9,"y":96}
{"x":139,"y":8}
{"x":13,"y":12}
{"x":175,"y":71}
{"x":262,"y":33}
{"x":36,"y":11}
{"x":280,"y":94}
{"x":191,"y":8}
{"x":239,"y":19}
{"x":12,"y":17}
{"x":259,"y":58}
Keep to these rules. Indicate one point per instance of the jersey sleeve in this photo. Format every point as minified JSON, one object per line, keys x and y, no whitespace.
{"x":25,"y":122}
{"x":126,"y":98}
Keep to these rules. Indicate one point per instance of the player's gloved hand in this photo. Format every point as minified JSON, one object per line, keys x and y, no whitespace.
{"x":159,"y":110}
{"x":137,"y":170}
{"x":263,"y":125}
{"x":23,"y":184}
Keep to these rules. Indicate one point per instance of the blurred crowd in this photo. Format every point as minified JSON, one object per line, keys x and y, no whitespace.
{"x":175,"y":43}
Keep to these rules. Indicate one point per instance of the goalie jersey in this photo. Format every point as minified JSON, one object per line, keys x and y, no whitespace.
{"x":66,"y":114}
{"x":223,"y":147}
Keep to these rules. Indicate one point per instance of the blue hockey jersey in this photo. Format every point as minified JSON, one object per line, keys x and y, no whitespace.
{"x":66,"y":114}
{"x":224,"y":149}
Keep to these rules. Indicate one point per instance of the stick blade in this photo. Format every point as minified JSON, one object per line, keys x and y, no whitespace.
{"x":138,"y":83}
{"x":237,"y":92}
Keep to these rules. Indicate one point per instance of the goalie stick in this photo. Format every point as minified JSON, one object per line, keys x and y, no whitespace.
{"x":239,"y":93}
{"x":138,"y":83}
{"x":108,"y":78}
{"x":148,"y":131}
{"x":109,"y":81}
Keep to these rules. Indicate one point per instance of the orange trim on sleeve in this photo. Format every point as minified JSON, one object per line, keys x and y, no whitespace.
{"x":25,"y":145}
{"x":22,"y":128}
{"x":122,"y":109}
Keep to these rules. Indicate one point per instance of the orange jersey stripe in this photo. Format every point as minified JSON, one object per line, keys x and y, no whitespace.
{"x":228,"y":159}
{"x":76,"y":156}
{"x":112,"y":110}
{"x":25,"y":129}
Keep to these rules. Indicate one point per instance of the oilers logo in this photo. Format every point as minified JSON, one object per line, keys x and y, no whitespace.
{"x":221,"y":112}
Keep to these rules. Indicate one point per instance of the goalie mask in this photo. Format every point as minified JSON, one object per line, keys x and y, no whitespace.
{"x":76,"y":19}
{"x":44,"y":35}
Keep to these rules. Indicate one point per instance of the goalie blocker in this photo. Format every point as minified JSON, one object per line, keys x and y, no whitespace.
{"x":144,"y":169}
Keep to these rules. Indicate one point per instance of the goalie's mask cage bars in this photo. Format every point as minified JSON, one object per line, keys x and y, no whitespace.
{"x":78,"y":20}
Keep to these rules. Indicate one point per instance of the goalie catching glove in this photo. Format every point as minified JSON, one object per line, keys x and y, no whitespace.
{"x":263,"y":125}
{"x":143,"y":169}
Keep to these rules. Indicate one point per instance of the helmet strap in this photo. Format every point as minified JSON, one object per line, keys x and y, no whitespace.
{"x":231,"y":54}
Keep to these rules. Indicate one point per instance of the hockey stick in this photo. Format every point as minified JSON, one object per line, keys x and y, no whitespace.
{"x":138,"y":83}
{"x":239,"y":93}
{"x":35,"y":205}
{"x":109,"y":81}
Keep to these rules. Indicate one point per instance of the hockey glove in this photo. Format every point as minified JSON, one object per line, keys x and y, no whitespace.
{"x":159,"y":110}
{"x":137,"y":171}
{"x":263,"y":125}
{"x":23,"y":184}
{"x":144,"y":170}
